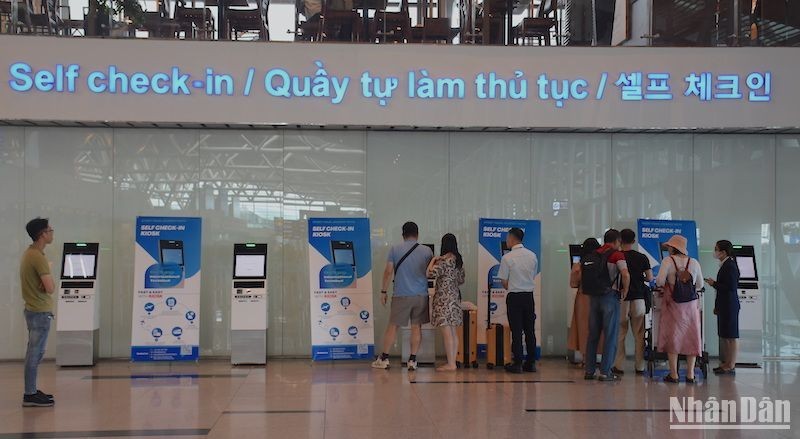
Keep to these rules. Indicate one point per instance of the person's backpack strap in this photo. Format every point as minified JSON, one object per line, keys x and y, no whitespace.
{"x":607,"y":258}
{"x":397,"y":266}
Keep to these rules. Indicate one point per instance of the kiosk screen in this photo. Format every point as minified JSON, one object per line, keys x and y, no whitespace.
{"x":664,"y":251}
{"x":250,"y":266}
{"x":747,"y":267}
{"x":78,"y":266}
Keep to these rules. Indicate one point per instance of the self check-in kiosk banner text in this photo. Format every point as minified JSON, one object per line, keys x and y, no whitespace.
{"x":401,"y":85}
{"x":652,"y":234}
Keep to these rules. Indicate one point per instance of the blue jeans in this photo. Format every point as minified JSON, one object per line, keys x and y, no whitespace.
{"x":603,"y":317}
{"x":38,"y":330}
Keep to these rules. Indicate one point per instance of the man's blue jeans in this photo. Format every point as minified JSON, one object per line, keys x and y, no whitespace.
{"x":603,"y":317}
{"x":38,"y":330}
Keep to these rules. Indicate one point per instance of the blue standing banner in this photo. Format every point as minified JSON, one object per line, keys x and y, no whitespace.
{"x":340,"y":279}
{"x":652,"y":234}
{"x":491,"y":247}
{"x":166,"y":289}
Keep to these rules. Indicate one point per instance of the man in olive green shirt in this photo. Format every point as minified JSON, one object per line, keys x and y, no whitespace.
{"x":38,"y":287}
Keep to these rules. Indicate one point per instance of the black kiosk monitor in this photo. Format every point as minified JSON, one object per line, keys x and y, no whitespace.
{"x":249,"y":304}
{"x":78,"y":305}
{"x":504,"y":248}
{"x":79,"y":261}
{"x":664,"y":250}
{"x":431,"y":282}
{"x":575,"y":251}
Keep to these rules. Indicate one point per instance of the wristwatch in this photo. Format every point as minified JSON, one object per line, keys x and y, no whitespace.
{"x":384,"y":292}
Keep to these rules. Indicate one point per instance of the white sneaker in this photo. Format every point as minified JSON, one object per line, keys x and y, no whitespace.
{"x":412,"y":364}
{"x":380,"y":364}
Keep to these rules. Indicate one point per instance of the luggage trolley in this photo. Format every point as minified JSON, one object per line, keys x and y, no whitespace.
{"x":651,"y":352}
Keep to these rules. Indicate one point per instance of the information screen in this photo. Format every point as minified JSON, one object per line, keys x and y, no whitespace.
{"x":172,"y":256}
{"x":747,"y":267}
{"x":250,"y":266}
{"x":78,"y":266}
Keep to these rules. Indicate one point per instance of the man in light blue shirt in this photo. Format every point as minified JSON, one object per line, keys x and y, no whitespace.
{"x":517,"y":272}
{"x":407,"y":264}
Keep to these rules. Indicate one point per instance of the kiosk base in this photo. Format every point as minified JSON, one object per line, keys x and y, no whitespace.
{"x":248,"y":347}
{"x":427,"y":347}
{"x":750,"y":349}
{"x":77,"y":348}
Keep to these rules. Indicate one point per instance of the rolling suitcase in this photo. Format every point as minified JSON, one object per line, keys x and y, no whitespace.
{"x":498,"y":345}
{"x":498,"y":341}
{"x":468,"y":340}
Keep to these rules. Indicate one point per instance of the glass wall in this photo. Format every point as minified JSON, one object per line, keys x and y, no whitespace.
{"x":262,"y":185}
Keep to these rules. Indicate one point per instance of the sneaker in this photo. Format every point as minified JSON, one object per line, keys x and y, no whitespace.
{"x":529,"y":367}
{"x":588,"y":376}
{"x":37,"y":400}
{"x":513,"y":368}
{"x":412,"y":364}
{"x":46,"y":395}
{"x":610,"y":377}
{"x":616,"y":371}
{"x":640,"y":372}
{"x":380,"y":363}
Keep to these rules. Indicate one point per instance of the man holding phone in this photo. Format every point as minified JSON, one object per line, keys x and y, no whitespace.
{"x":407,"y":264}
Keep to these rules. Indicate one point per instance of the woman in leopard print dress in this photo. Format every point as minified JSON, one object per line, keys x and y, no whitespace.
{"x":448,"y":270}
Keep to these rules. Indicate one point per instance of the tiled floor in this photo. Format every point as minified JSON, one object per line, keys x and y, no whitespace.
{"x":294,"y":399}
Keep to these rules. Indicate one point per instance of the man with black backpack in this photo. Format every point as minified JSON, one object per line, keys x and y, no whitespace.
{"x":635,"y":306}
{"x":604,"y":277}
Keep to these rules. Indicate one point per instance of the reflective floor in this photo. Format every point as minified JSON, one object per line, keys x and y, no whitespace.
{"x":295,"y":399}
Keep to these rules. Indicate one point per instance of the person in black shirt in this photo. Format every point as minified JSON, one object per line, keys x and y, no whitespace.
{"x":726,"y":306}
{"x":633,"y":308}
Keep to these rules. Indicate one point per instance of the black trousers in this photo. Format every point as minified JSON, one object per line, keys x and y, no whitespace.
{"x":521,"y":318}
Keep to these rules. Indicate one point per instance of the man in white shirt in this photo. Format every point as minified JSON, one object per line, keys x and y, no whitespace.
{"x":517,"y":271}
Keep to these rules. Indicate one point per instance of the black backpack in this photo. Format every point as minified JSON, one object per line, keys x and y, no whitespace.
{"x":684,"y":290}
{"x":595,"y":278}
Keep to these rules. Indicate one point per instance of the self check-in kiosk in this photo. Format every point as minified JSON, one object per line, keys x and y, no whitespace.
{"x":751,"y":314}
{"x":427,"y":347}
{"x":249,"y":301}
{"x":572,"y":294}
{"x":78,"y":322}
